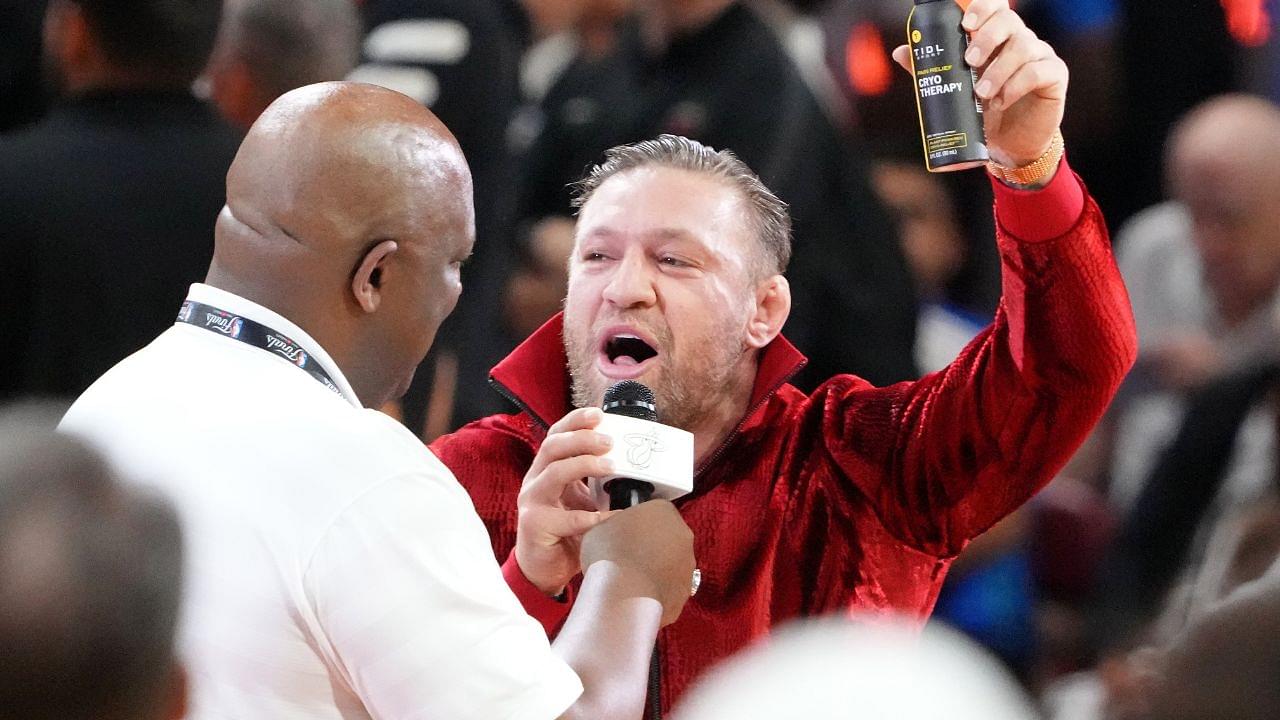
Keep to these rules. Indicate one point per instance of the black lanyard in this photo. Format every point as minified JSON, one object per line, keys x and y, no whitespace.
{"x":254,"y":334}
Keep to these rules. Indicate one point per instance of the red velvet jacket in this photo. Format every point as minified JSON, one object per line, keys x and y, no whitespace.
{"x":855,"y":497}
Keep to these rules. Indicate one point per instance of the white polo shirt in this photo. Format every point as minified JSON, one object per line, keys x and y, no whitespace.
{"x":336,"y":569}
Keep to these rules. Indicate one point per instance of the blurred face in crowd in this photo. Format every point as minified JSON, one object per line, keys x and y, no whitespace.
{"x":927,"y":225}
{"x":1232,"y":191}
{"x":663,"y":289}
{"x":1237,"y":231}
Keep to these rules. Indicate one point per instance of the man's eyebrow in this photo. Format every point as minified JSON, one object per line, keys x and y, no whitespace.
{"x":601,"y":231}
{"x":673,"y":233}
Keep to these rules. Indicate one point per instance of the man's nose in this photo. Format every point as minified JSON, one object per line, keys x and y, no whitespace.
{"x":632,"y":282}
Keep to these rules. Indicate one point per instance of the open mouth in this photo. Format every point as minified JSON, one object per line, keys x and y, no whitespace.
{"x":628,"y":350}
{"x":623,"y":354}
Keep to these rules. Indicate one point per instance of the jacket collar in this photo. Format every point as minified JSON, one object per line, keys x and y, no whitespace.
{"x":535,"y":376}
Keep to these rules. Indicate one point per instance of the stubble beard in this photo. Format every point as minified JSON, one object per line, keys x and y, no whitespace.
{"x":686,"y":390}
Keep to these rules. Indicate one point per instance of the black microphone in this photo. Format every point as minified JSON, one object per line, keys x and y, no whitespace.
{"x":633,"y":400}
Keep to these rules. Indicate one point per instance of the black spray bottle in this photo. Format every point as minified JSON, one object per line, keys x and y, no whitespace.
{"x":950,"y":112}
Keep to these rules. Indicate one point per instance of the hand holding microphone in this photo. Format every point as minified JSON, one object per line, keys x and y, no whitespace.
{"x":634,"y":457}
{"x":652,"y":465}
{"x":555,"y":507}
{"x":649,"y":459}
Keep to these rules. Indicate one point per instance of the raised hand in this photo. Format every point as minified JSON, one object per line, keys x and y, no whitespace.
{"x":1021,"y":80}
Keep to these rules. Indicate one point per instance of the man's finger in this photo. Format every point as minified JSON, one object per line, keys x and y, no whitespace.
{"x":986,"y":41}
{"x":551,"y":525}
{"x":572,"y":523}
{"x":1047,"y":78}
{"x":902,"y":56}
{"x":547,"y":486}
{"x":979,"y":12}
{"x":1021,"y":49}
{"x":566,"y":444}
{"x":579,"y":419}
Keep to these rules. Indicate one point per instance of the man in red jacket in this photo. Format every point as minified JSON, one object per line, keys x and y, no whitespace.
{"x":853,"y":497}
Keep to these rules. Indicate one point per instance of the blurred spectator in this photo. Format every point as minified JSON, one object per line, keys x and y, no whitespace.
{"x":1185,"y":522}
{"x":1226,"y":664}
{"x":1223,"y":664}
{"x":89,"y":585}
{"x":109,"y":200}
{"x":935,"y":250}
{"x":859,"y":35}
{"x":841,"y":670}
{"x":21,"y":95}
{"x":536,"y":291}
{"x":266,"y":48}
{"x":1204,"y":275}
{"x":714,"y":71}
{"x":990,"y":595}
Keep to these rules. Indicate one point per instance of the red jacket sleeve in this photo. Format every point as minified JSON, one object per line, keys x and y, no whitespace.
{"x":549,"y":611}
{"x":943,"y":458}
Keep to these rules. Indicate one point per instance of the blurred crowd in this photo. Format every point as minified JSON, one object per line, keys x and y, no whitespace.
{"x":1143,"y":583}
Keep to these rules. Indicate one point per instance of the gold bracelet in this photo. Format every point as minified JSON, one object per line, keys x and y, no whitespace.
{"x":1034,"y":173}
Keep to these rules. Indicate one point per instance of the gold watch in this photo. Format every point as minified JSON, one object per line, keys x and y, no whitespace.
{"x":1034,"y":173}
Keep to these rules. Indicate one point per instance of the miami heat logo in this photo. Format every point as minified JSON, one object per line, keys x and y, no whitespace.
{"x":641,"y":447}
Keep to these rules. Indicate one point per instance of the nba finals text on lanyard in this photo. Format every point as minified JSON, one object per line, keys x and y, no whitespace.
{"x":256,"y":335}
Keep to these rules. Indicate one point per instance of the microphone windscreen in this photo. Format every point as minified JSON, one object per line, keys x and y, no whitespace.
{"x":631,"y":399}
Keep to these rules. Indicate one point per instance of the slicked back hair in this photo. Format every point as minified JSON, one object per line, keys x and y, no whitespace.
{"x":768,"y":217}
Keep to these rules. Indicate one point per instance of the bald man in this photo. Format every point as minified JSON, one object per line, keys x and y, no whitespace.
{"x":1204,"y":273}
{"x":337,"y":570}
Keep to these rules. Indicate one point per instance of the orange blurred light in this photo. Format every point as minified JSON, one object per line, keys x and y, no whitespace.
{"x":1248,"y":21}
{"x":869,"y":64}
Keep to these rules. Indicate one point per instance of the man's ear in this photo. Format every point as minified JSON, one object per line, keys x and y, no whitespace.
{"x":366,"y":283}
{"x":773,"y":305}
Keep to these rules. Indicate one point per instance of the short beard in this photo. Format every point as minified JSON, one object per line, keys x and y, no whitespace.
{"x":686,"y":392}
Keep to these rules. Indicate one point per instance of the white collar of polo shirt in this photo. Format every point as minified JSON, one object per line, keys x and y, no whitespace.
{"x":232,"y":303}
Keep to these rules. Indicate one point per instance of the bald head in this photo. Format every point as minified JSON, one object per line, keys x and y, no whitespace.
{"x":331,"y":162}
{"x":1225,"y":134}
{"x":1224,"y":168}
{"x":346,"y":204}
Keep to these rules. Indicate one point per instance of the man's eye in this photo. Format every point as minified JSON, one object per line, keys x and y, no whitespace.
{"x":672,"y":261}
{"x":593,"y":256}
